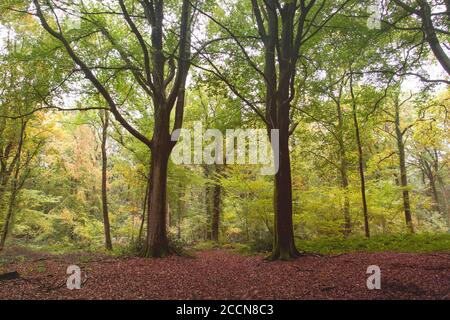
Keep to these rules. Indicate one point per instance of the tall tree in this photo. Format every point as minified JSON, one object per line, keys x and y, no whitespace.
{"x":283,"y":28}
{"x":160,"y":75}
{"x":104,"y":118}
{"x":360,"y":160}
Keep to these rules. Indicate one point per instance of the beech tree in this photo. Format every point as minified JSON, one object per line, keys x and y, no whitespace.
{"x":160,"y":69}
{"x":283,"y":29}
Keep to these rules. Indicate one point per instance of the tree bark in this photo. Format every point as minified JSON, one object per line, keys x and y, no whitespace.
{"x":284,"y":246}
{"x":157,"y":244}
{"x":106,"y":223}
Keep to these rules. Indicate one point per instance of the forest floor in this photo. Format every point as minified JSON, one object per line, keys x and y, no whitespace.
{"x":222,"y":274}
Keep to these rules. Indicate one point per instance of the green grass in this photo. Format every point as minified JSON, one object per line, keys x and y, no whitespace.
{"x":420,"y":243}
{"x":238,"y":247}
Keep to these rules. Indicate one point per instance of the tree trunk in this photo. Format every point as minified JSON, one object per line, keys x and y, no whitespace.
{"x":284,"y":245}
{"x":403,"y":174}
{"x":157,"y":244}
{"x":360,"y":163}
{"x":106,"y":224}
{"x":8,"y":218}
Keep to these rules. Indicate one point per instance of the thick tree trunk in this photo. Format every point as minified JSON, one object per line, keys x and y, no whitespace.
{"x":284,"y":246}
{"x":403,"y":174}
{"x":157,"y":244}
{"x":106,"y":223}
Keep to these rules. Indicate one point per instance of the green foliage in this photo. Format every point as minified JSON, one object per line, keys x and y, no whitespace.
{"x":59,"y":208}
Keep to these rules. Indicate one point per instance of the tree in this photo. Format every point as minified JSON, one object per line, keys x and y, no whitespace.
{"x":104,"y":118}
{"x":163,"y":81}
{"x":360,"y":160}
{"x":283,"y":29}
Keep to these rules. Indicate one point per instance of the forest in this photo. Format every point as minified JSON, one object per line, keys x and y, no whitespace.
{"x":132,"y":130}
